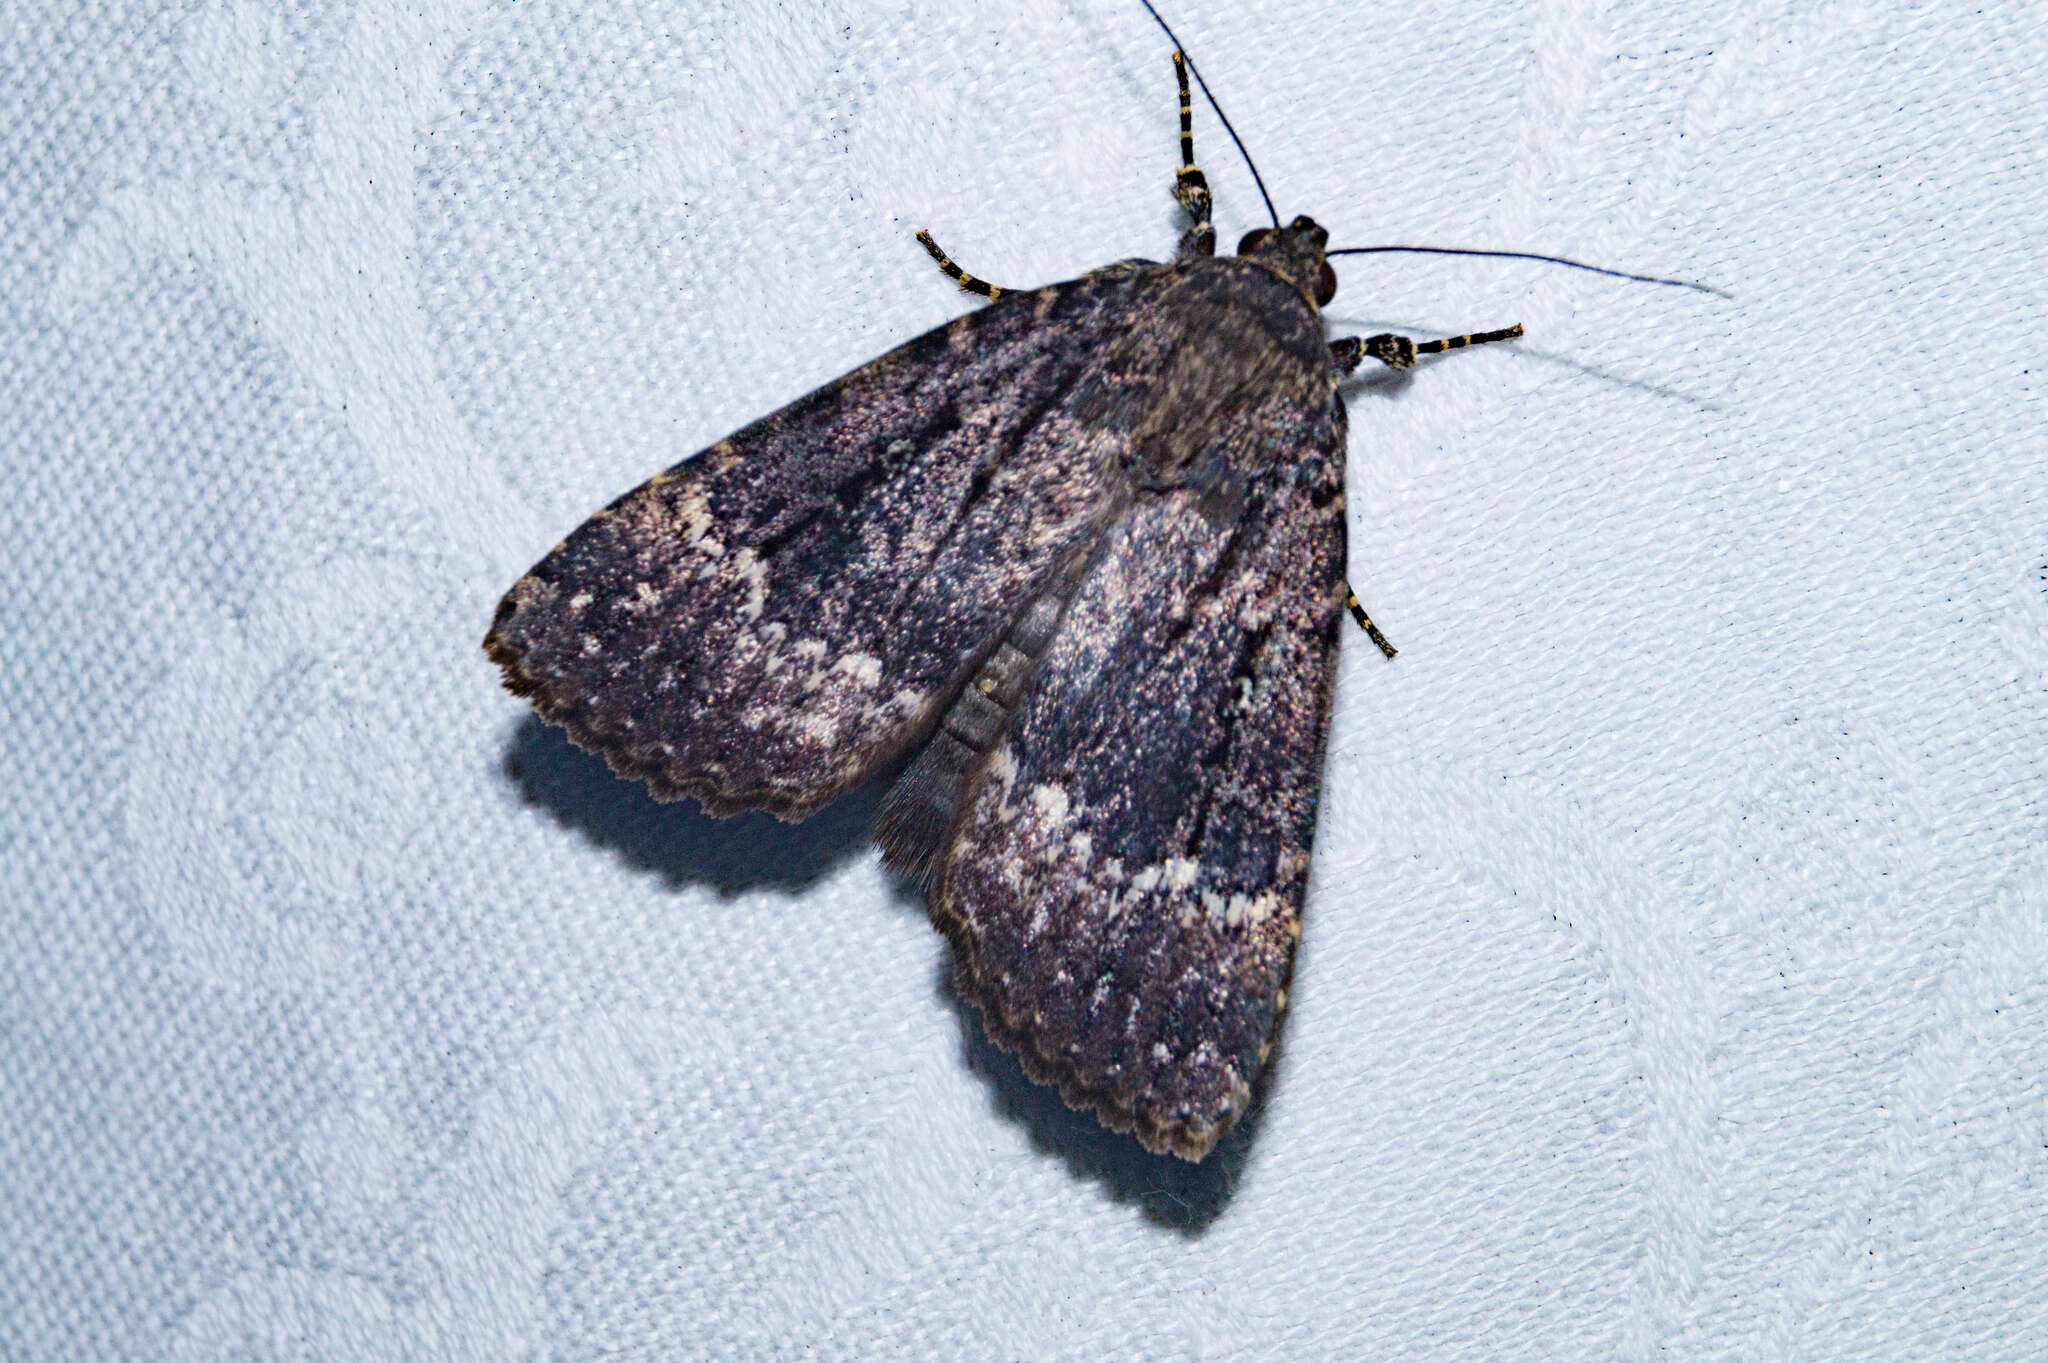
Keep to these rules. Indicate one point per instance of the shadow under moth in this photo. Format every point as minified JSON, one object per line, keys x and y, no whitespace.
{"x":1080,"y":555}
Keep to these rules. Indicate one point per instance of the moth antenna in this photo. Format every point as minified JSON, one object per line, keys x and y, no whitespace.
{"x":1530,"y":255}
{"x":1224,"y":118}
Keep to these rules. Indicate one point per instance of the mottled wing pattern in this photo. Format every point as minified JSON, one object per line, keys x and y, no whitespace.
{"x":1124,"y":882}
{"x":764,"y":625}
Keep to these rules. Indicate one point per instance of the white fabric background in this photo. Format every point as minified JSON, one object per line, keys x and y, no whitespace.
{"x":1678,"y":945}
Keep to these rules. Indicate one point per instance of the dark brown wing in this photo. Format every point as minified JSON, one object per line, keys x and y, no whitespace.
{"x":1123,"y":882}
{"x":764,"y":625}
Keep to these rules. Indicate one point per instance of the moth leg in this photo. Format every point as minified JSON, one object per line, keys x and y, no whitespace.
{"x":1190,"y":186}
{"x":1398,"y":352}
{"x":1365,"y":623}
{"x":958,"y":275}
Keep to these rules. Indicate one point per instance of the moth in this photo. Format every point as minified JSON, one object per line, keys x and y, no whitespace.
{"x":1079,"y":556}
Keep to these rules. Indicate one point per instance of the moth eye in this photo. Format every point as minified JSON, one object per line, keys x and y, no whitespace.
{"x":1251,"y":241}
{"x":1326,"y":285}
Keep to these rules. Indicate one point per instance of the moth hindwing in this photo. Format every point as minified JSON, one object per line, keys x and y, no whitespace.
{"x":1080,"y":554}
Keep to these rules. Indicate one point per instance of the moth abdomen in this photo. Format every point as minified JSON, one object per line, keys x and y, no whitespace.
{"x":918,"y":812}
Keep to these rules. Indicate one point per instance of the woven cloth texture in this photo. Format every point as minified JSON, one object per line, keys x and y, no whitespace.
{"x":1677,"y":948}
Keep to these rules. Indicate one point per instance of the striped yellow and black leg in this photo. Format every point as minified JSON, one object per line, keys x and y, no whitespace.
{"x":958,"y":275}
{"x":1365,"y":623}
{"x":1190,"y":186}
{"x":1398,"y":352}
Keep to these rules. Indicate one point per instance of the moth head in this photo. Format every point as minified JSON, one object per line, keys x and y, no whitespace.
{"x":1295,"y":253}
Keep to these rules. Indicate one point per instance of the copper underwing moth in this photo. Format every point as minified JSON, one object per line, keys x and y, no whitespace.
{"x":1078,"y":556}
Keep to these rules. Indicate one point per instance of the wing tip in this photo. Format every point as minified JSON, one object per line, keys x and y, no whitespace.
{"x":1115,"y":1106}
{"x":1118,"y":1109}
{"x":628,"y":756}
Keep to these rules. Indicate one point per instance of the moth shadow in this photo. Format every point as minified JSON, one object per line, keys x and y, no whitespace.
{"x":679,"y":842}
{"x":1171,"y":1192}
